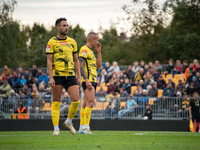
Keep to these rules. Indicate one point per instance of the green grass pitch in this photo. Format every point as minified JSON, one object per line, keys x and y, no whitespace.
{"x":105,"y":140}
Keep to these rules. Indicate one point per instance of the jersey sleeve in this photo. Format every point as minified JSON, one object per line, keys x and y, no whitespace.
{"x":49,"y":48}
{"x":83,"y":53}
{"x":75,"y":47}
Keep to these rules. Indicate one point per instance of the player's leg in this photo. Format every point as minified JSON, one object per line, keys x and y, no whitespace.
{"x":82,"y":122}
{"x":90,"y":96}
{"x":55,"y":108}
{"x":74,"y":95}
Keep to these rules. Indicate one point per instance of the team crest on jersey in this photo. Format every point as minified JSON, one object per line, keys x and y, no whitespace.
{"x":84,"y":52}
{"x":62,"y":43}
{"x":48,"y":48}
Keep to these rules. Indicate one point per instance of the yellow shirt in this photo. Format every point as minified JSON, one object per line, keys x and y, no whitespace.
{"x":62,"y":50}
{"x":90,"y":63}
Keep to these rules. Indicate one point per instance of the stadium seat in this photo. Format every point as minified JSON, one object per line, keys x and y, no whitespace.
{"x":98,"y":106}
{"x":133,"y":88}
{"x":169,"y":75}
{"x":150,"y":101}
{"x":160,"y":93}
{"x":122,"y":104}
{"x":98,"y":88}
{"x":46,"y":107}
{"x":105,"y":104}
{"x":177,"y":76}
{"x":105,"y":88}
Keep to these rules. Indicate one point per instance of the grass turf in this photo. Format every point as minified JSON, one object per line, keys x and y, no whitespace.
{"x":100,"y":140}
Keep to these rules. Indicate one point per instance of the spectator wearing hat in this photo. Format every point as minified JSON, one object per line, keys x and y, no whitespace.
{"x":180,"y":87}
{"x":47,"y":95}
{"x":44,"y":78}
{"x":5,"y":90}
{"x":6,"y":71}
{"x":153,"y":92}
{"x":148,"y":112}
{"x":170,"y":81}
{"x":161,"y":84}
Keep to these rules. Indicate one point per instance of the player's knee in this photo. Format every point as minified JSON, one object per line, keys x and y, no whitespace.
{"x":56,"y":99}
{"x":75,"y":99}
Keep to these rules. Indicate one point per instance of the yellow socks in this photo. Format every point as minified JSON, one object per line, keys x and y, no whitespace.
{"x":87,"y":115}
{"x":82,"y":116}
{"x":73,"y":109}
{"x":55,"y":113}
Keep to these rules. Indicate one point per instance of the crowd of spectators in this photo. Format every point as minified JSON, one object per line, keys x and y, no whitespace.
{"x":32,"y":85}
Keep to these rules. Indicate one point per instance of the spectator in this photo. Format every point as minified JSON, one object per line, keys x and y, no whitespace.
{"x":123,"y":94}
{"x":29,"y":81}
{"x":150,"y":65}
{"x":65,"y":103}
{"x":139,"y":89}
{"x":127,"y":86}
{"x":27,"y":73}
{"x":29,"y":94}
{"x":185,"y":65}
{"x":20,"y":72}
{"x":113,"y":106}
{"x":170,"y":81}
{"x":168,"y":92}
{"x":115,"y":67}
{"x":13,"y":99}
{"x":103,"y":77}
{"x":148,"y":112}
{"x":146,"y":69}
{"x":161,"y":84}
{"x":149,"y":85}
{"x":107,"y":66}
{"x":42,"y":91}
{"x":36,"y":104}
{"x":140,"y":74}
{"x":135,"y":68}
{"x":130,"y":74}
{"x":142,"y":64}
{"x":153,"y":92}
{"x":198,"y":76}
{"x":142,"y":101}
{"x":23,"y":80}
{"x":195,"y":62}
{"x":23,"y":96}
{"x":111,"y":87}
{"x":34,"y":71}
{"x":5,"y":90}
{"x":170,"y":67}
{"x":155,"y":75}
{"x":124,"y":72}
{"x":118,"y":85}
{"x":142,"y":84}
{"x":129,"y":108}
{"x":121,"y":75}
{"x":136,"y":95}
{"x":44,"y":78}
{"x":101,"y":96}
{"x":10,"y":81}
{"x":180,"y":87}
{"x":147,"y":77}
{"x":158,"y":66}
{"x":193,"y":87}
{"x":39,"y":73}
{"x":21,"y":109}
{"x":34,"y":92}
{"x":6,"y":71}
{"x":24,"y":89}
{"x":189,"y":78}
{"x":16,"y":81}
{"x":47,"y":95}
{"x":183,"y":112}
{"x":178,"y":68}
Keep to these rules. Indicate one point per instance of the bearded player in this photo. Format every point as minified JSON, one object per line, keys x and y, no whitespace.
{"x":62,"y":59}
{"x":89,"y":64}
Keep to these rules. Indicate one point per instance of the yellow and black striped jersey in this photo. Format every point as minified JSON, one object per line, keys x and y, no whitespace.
{"x":62,"y":50}
{"x":90,"y":63}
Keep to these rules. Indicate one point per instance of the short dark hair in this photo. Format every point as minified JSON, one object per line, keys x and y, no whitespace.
{"x":57,"y":23}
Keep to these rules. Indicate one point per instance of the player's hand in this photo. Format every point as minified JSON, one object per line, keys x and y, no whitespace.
{"x":190,"y":116}
{"x":79,"y":81}
{"x":88,"y":84}
{"x":98,"y":47}
{"x":52,"y":82}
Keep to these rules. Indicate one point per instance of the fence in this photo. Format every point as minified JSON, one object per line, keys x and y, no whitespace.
{"x":173,"y":108}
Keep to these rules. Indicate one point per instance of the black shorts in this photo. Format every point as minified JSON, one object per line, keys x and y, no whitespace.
{"x":196,"y":116}
{"x":94,"y":84}
{"x":65,"y":81}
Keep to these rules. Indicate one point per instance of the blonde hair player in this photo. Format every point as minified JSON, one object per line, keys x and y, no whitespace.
{"x":89,"y":64}
{"x":62,"y":59}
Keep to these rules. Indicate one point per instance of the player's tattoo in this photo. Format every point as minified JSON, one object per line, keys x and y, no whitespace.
{"x":82,"y":62}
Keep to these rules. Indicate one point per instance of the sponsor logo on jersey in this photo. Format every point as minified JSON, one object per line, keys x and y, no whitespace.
{"x":48,"y":48}
{"x":62,"y":43}
{"x":84,"y":52}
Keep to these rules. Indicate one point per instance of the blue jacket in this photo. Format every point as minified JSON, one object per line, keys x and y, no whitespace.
{"x":43,"y":78}
{"x":23,"y":81}
{"x":144,"y":99}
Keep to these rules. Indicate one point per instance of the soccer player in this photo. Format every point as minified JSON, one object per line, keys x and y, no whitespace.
{"x":194,"y":110}
{"x":89,"y":64}
{"x":62,"y":59}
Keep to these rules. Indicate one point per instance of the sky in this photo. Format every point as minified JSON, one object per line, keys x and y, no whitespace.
{"x":89,"y":14}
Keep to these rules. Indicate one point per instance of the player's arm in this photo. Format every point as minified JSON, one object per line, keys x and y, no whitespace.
{"x":99,"y":59}
{"x":77,"y":68}
{"x":49,"y":67}
{"x":190,"y":112}
{"x":82,"y":62}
